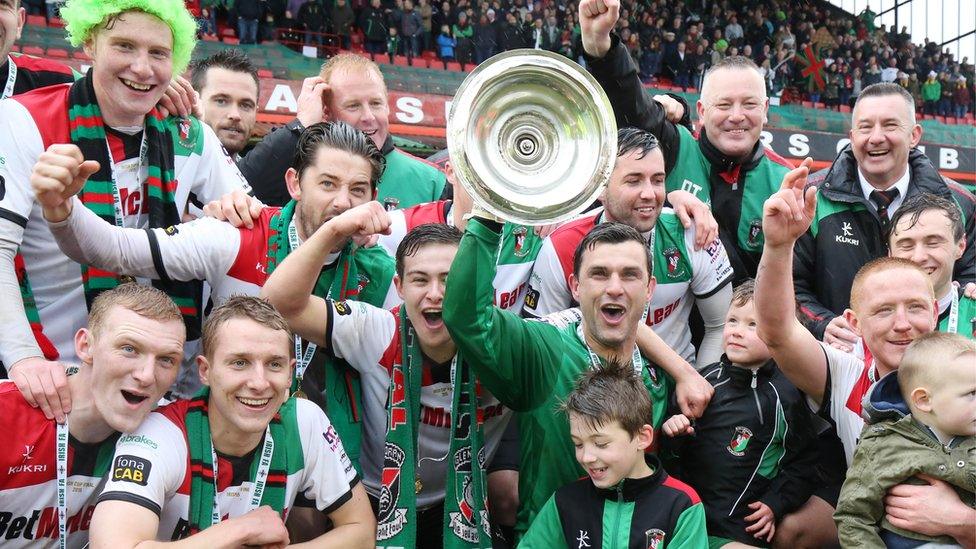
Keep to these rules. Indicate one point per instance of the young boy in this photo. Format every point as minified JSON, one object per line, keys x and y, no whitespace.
{"x":628,"y":499}
{"x":752,"y":455}
{"x":920,"y":422}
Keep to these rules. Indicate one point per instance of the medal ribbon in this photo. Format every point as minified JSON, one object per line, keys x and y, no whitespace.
{"x":8,"y":90}
{"x":61,"y":453}
{"x":302,"y":360}
{"x":953,"y":324}
{"x":260,"y":477}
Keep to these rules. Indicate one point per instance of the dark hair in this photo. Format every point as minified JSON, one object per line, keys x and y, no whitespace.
{"x":232,"y":60}
{"x":341,"y":136}
{"x":611,"y":232}
{"x":633,"y":139}
{"x":613,"y":392}
{"x":914,"y":206}
{"x":425,"y":235}
{"x":884,"y":89}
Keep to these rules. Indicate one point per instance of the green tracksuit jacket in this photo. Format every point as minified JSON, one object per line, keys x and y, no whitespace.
{"x":529,"y":366}
{"x":654,"y":512}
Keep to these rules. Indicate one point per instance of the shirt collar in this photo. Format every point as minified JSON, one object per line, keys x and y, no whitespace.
{"x":901,"y":185}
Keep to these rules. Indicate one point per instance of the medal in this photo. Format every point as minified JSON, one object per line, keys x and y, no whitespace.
{"x":417,"y":485}
{"x":300,"y":394}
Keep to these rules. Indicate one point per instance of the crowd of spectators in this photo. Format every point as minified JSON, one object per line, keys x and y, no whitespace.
{"x":673,"y":42}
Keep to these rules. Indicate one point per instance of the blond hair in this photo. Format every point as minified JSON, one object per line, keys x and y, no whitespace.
{"x":145,"y":301}
{"x":926,"y":355}
{"x":882,"y":264}
{"x":349,"y":62}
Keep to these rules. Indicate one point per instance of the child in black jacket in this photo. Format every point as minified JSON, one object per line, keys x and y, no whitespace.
{"x":752,"y":455}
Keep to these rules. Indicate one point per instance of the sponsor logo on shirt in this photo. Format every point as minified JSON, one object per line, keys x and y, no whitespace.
{"x":188,"y":138}
{"x":661,"y":313}
{"x":532,"y":298}
{"x":341,"y":308}
{"x":847,"y":235}
{"x":740,"y":441}
{"x":138,"y":439}
{"x":25,"y":466}
{"x":507,"y":300}
{"x":131,"y":469}
{"x":42,"y":523}
{"x":654,"y":538}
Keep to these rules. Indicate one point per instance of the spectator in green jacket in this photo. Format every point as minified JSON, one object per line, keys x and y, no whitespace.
{"x":931,"y":93}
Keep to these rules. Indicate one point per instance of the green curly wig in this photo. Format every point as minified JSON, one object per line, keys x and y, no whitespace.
{"x":82,"y":17}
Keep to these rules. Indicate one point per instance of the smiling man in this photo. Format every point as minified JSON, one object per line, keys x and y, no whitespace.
{"x":635,"y":196}
{"x":335,"y":169}
{"x":350,"y":89}
{"x":928,"y":231}
{"x":129,"y":355}
{"x":725,"y":165}
{"x":137,"y":168}
{"x":227,"y":82}
{"x":858,"y":195}
{"x":225,"y":468}
{"x":530,"y":366}
{"x":426,"y":416}
{"x":892,"y":303}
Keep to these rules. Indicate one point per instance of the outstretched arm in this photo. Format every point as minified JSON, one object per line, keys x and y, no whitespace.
{"x":787,"y":215}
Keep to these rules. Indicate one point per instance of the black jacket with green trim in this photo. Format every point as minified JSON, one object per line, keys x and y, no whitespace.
{"x":735,"y":189}
{"x":846,"y":234}
{"x":654,"y":512}
{"x":755,"y":442}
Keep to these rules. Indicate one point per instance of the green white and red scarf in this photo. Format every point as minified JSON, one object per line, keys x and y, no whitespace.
{"x":87,"y":130}
{"x":466,"y":523}
{"x":203,"y":482}
{"x":342,"y":396}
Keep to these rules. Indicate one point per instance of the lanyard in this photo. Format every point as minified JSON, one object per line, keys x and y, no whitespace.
{"x":116,"y":197}
{"x":61,"y":453}
{"x":302,"y":360}
{"x":8,"y":90}
{"x":953,"y":324}
{"x":636,"y":358}
{"x":260,"y":479}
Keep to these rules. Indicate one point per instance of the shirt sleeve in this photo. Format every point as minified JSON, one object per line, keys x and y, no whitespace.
{"x":689,"y":530}
{"x":149,"y":464}
{"x":217,"y":174}
{"x":842,"y":368}
{"x":359,"y":333}
{"x":546,"y":530}
{"x":202,"y":249}
{"x":711,"y":269}
{"x":548,"y":291}
{"x":329,"y":476}
{"x":20,"y":146}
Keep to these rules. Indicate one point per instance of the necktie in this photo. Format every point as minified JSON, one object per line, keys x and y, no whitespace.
{"x":883,"y":199}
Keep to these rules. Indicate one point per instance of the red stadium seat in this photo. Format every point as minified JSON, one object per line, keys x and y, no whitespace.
{"x":941,"y":119}
{"x":80,"y":55}
{"x":56,"y":23}
{"x":57,"y":53}
{"x":231,"y":40}
{"x":36,"y":20}
{"x":453,"y":66}
{"x":401,"y":61}
{"x":845,"y":108}
{"x":265,"y":73}
{"x":33,"y":50}
{"x":807,"y":104}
